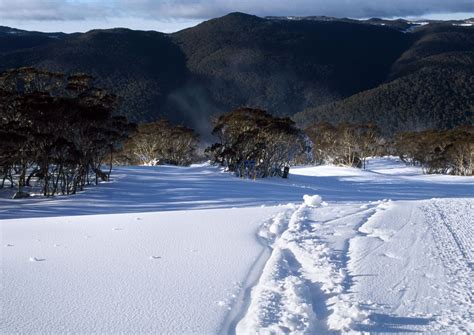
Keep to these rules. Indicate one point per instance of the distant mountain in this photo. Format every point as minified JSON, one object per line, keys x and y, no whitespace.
{"x":141,"y":67}
{"x":286,"y":66}
{"x":399,"y":24}
{"x":431,"y":85}
{"x":15,"y":39}
{"x":317,"y":68}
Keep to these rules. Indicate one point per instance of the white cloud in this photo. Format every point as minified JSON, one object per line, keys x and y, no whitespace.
{"x":51,"y":10}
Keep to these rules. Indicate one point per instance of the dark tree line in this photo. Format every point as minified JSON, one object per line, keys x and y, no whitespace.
{"x":439,"y":151}
{"x":161,"y":143}
{"x":253,"y":143}
{"x":57,"y":130}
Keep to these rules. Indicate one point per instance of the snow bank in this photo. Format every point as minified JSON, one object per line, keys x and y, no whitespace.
{"x":169,"y":272}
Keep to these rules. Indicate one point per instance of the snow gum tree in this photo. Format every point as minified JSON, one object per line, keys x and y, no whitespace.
{"x":56,"y":129}
{"x":161,"y":143}
{"x":344,"y":144}
{"x":253,"y":143}
{"x":439,"y":151}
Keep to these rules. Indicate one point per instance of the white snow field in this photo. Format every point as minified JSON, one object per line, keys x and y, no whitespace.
{"x":176,"y":250}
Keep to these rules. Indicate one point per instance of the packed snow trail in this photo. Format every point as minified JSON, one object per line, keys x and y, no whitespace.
{"x":303,"y":287}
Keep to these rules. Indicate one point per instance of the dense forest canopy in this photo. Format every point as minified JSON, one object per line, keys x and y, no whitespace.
{"x":431,"y":86}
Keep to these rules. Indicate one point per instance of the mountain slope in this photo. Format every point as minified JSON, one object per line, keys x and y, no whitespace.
{"x":235,"y":60}
{"x":430,"y":86}
{"x":321,"y":68}
{"x":285,"y":66}
{"x":141,"y":67}
{"x":15,"y":39}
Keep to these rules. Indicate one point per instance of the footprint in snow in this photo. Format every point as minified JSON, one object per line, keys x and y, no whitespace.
{"x":117,"y":228}
{"x":155,"y":257}
{"x":9,"y":245}
{"x":36,"y":259}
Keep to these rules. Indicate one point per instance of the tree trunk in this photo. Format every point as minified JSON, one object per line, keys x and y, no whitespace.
{"x":110,"y":163}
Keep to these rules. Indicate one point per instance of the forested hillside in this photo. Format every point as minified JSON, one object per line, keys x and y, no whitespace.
{"x":430,"y":86}
{"x":321,"y":69}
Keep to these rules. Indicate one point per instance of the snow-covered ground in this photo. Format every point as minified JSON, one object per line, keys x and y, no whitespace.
{"x":181,"y":250}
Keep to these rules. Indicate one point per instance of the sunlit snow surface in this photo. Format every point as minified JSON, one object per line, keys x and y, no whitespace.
{"x":180,"y":250}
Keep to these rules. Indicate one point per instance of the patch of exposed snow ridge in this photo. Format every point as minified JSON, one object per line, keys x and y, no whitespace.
{"x":299,"y":272}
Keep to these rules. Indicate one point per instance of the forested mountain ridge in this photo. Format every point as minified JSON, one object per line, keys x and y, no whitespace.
{"x":286,"y":66}
{"x":15,"y":39}
{"x":430,"y":86}
{"x":332,"y":69}
{"x":141,"y":67}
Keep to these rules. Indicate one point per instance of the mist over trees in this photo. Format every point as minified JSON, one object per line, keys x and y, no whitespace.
{"x":56,"y":129}
{"x":254,"y":144}
{"x":161,"y":143}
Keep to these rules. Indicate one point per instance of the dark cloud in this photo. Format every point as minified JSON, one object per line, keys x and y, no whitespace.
{"x":337,"y":8}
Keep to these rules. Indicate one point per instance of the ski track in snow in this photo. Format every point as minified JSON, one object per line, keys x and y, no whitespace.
{"x":451,"y":225}
{"x":311,"y":284}
{"x":411,"y":261}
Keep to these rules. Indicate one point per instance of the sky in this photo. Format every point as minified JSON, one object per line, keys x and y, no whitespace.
{"x":174,"y":15}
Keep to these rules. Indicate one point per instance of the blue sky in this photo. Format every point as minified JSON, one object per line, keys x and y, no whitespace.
{"x":173,"y":15}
